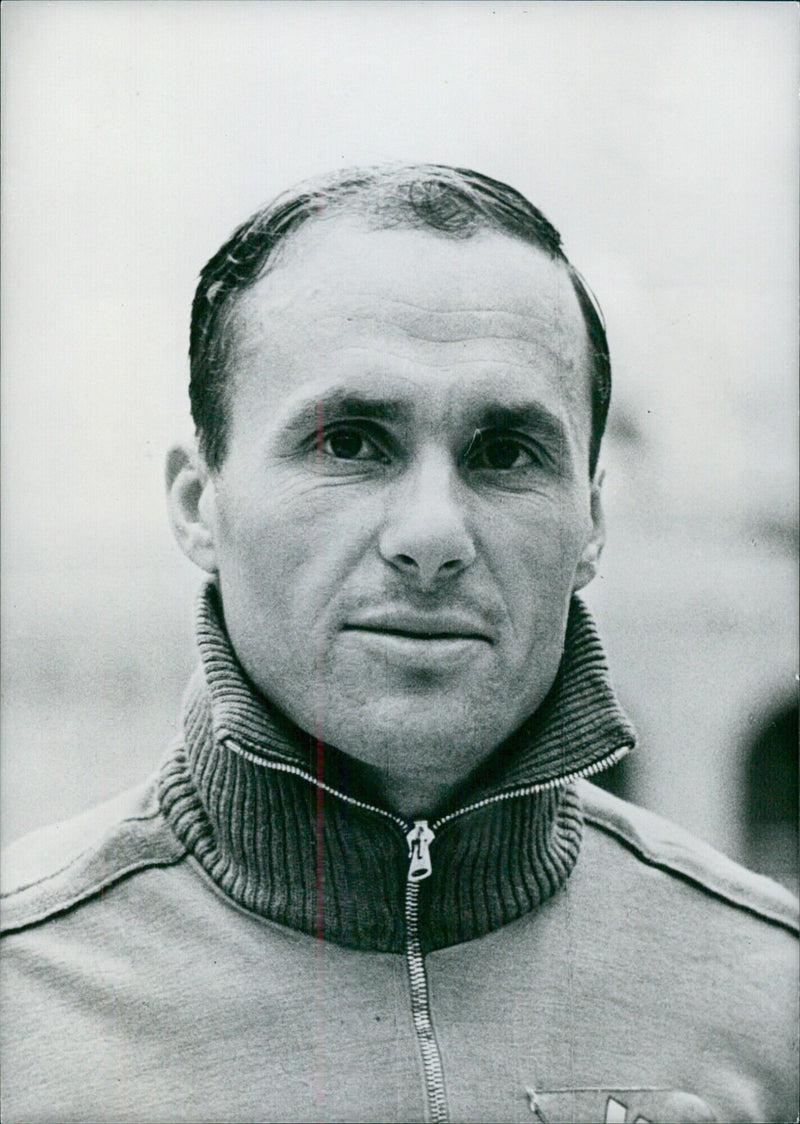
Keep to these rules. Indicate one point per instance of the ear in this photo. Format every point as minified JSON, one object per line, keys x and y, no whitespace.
{"x":593,"y":548}
{"x":191,"y":501}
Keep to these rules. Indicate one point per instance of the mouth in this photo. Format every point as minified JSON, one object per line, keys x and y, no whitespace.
{"x":427,"y":635}
{"x":419,"y":640}
{"x":420,"y":627}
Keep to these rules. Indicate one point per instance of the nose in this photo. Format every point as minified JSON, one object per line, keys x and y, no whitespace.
{"x":426,"y":537}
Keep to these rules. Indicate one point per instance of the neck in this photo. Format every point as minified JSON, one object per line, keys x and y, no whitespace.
{"x":412,"y":797}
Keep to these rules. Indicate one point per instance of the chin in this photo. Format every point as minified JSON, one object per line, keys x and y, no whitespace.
{"x":446,"y":737}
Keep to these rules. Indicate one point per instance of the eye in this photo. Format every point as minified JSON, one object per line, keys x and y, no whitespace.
{"x":348,"y":443}
{"x":501,"y":454}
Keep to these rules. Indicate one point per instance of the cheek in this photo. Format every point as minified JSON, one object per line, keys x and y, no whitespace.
{"x":259,"y":546}
{"x":533,"y":552}
{"x":290,"y":551}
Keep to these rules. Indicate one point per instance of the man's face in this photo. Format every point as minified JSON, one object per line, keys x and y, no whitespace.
{"x":405,"y":504}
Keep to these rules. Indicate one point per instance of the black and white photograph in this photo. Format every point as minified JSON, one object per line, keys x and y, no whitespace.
{"x":399,"y":574}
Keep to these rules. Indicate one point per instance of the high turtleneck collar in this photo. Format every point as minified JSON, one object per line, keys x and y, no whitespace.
{"x":242,"y":793}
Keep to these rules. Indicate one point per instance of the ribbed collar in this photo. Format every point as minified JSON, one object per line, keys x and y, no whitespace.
{"x":241,"y":794}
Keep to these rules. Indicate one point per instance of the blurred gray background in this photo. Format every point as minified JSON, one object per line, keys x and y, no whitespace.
{"x":660,"y":138}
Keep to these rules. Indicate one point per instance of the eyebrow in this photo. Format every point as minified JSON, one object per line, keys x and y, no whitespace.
{"x":530,"y":416}
{"x":343,"y":403}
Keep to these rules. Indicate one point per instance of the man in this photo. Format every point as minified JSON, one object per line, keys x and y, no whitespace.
{"x":370,"y":881}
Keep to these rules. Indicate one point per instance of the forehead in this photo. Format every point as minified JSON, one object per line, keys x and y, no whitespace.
{"x":440,"y":320}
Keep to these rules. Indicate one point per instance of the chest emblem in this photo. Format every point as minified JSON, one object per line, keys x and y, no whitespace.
{"x":630,"y":1105}
{"x":617,"y":1113}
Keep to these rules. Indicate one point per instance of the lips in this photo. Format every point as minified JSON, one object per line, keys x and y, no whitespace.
{"x":415,"y":625}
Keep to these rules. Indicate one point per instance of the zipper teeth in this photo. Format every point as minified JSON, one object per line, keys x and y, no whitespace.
{"x":420,"y":1011}
{"x":542,"y":786}
{"x":418,"y":980}
{"x":280,"y":767}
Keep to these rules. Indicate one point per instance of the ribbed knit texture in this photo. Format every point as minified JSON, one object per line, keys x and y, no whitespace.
{"x":254,"y":827}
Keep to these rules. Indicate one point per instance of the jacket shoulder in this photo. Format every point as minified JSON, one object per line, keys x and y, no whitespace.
{"x":55,"y":868}
{"x":659,"y":843}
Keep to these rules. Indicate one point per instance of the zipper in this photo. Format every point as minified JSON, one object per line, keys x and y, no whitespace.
{"x":419,"y":839}
{"x":419,"y":836}
{"x":542,"y":786}
{"x":295,"y":770}
{"x":420,"y":867}
{"x":527,"y":790}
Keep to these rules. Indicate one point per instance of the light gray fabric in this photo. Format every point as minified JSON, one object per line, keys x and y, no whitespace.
{"x":146,"y":978}
{"x":160,"y":999}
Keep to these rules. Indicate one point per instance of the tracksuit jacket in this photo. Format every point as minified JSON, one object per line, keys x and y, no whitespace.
{"x":248,"y":937}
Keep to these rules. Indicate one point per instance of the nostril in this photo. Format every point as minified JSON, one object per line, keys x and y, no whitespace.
{"x":452,"y":564}
{"x":406,"y":560}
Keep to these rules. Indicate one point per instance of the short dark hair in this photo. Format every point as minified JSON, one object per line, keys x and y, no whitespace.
{"x":454,"y":202}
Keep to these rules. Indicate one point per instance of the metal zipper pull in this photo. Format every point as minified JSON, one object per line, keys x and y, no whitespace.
{"x":419,"y":840}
